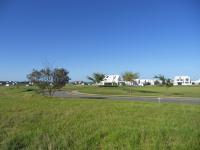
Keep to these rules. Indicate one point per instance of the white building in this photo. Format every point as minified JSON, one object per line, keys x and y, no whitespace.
{"x":117,"y":80}
{"x":197,"y":82}
{"x":130,"y":83}
{"x":111,"y":80}
{"x":143,"y":82}
{"x":182,"y":80}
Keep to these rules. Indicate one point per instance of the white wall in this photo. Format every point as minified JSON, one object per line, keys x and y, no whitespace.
{"x":182,"y":80}
{"x":111,"y":79}
{"x":197,"y":82}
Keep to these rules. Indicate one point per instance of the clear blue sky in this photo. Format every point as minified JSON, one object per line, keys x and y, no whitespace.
{"x":109,"y":36}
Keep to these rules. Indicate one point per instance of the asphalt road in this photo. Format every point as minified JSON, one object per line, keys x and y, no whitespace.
{"x":76,"y":94}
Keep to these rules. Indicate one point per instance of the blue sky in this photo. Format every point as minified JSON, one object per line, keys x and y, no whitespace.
{"x":108,"y":36}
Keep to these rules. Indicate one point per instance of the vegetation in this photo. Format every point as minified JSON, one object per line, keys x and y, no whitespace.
{"x":130,"y":76}
{"x":31,"y":121}
{"x":155,"y":91}
{"x":50,"y":80}
{"x":165,"y":81}
{"x":96,"y":77}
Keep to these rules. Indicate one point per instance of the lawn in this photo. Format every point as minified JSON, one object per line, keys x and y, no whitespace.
{"x":31,"y":121}
{"x":157,"y":91}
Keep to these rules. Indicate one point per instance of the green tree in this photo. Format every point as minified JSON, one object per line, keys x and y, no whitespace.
{"x":157,"y":83}
{"x":96,"y":77}
{"x":168,"y":83}
{"x":48,"y":79}
{"x":130,"y":77}
{"x":165,"y":81}
{"x":60,"y":77}
{"x":161,"y":78}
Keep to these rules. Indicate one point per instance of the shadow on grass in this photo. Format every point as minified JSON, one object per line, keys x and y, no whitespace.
{"x":143,"y":91}
{"x":93,"y":97}
{"x":179,"y":94}
{"x":29,"y":90}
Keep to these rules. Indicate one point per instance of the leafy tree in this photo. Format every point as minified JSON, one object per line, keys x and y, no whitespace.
{"x":130,"y":76}
{"x":168,"y":83}
{"x":96,"y":77}
{"x":161,"y":78}
{"x":157,"y":82}
{"x":60,"y":77}
{"x":48,"y":79}
{"x":165,"y":81}
{"x":34,"y":76}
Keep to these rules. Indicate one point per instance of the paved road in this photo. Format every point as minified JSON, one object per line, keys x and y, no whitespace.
{"x":76,"y":94}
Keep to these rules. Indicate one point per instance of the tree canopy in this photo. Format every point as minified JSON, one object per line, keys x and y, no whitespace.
{"x":49,"y":79}
{"x":130,"y":76}
{"x":96,"y":77}
{"x":164,"y":81}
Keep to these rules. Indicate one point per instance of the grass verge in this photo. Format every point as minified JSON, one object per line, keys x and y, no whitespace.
{"x":154,"y":91}
{"x":31,"y":121}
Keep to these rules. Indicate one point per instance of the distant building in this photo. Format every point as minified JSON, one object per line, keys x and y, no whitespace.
{"x":143,"y":82}
{"x":133,"y":83}
{"x":117,"y":80}
{"x":111,"y":80}
{"x":197,"y":82}
{"x":10,"y":83}
{"x":182,"y":80}
{"x":78,"y":83}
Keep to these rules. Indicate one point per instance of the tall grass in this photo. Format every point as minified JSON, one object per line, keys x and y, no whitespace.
{"x":31,"y":121}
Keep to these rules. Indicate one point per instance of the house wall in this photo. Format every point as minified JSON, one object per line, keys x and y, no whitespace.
{"x":197,"y":82}
{"x":182,"y":80}
{"x":116,"y":79}
{"x":142,"y":82}
{"x":111,"y":79}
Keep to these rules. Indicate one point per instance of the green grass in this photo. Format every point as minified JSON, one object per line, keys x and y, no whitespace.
{"x":31,"y":121}
{"x":176,"y":91}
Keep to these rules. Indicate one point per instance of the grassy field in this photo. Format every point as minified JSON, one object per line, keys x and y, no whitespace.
{"x":176,"y":91}
{"x":31,"y":121}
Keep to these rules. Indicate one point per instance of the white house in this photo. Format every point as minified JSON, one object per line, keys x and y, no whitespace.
{"x":111,"y":80}
{"x":182,"y":80}
{"x":117,"y":80}
{"x":143,"y":82}
{"x":197,"y":82}
{"x":130,"y":83}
